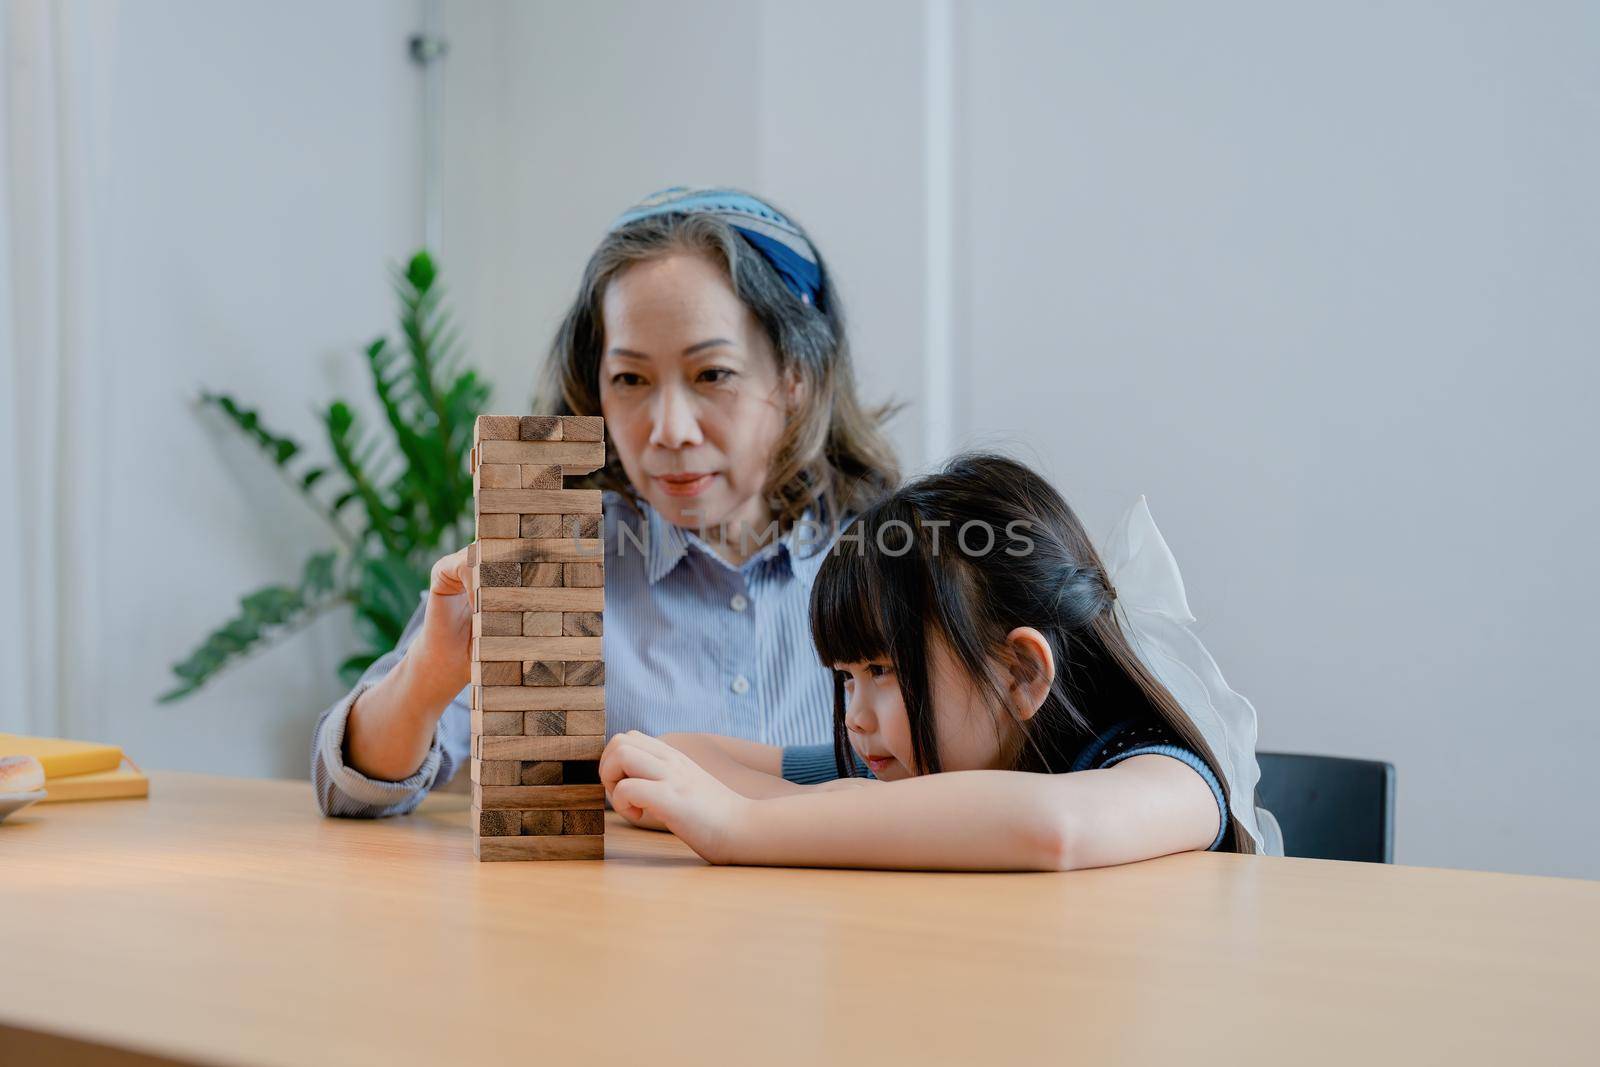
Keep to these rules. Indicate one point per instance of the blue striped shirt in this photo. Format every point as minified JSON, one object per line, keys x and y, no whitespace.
{"x":692,"y":644}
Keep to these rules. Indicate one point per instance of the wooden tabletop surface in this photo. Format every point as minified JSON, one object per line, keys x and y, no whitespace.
{"x":223,"y":921}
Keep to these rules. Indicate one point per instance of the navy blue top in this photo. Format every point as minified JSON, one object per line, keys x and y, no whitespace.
{"x":812,"y":764}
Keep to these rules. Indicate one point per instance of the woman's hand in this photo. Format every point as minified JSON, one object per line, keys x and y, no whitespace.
{"x":648,"y":781}
{"x":442,"y":649}
{"x":390,"y":727}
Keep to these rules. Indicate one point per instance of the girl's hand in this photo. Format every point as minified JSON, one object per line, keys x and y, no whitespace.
{"x":648,"y":781}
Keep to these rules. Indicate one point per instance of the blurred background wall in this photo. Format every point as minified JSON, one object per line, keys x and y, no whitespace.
{"x":1320,"y":282}
{"x":237,"y":177}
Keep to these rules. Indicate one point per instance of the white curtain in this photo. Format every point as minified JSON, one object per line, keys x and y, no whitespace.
{"x":54,"y":126}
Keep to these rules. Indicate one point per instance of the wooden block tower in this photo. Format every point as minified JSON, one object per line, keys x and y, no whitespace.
{"x":538,"y":678}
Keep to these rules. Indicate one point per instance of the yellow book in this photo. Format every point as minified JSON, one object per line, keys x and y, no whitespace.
{"x":101,"y":785}
{"x":60,"y":757}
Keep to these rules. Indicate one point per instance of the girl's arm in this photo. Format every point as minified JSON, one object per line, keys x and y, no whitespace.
{"x":749,"y":768}
{"x":1144,"y":807}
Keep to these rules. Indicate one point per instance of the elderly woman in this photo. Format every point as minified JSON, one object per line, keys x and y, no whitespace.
{"x":707,"y":333}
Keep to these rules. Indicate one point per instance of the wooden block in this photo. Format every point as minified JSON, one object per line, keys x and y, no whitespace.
{"x":497,"y":772}
{"x":569,"y":747}
{"x":582,"y":723}
{"x":539,"y":582}
{"x":586,"y":455}
{"x":584,"y":823}
{"x":496,"y":428}
{"x":585,"y":672}
{"x":537,"y":477}
{"x":580,"y":772}
{"x":547,"y":823}
{"x":543,"y":698}
{"x":497,"y":624}
{"x":475,"y":697}
{"x":493,"y":575}
{"x":582,"y":575}
{"x":498,"y":526}
{"x":545,"y":773}
{"x":542,"y":648}
{"x":580,"y":526}
{"x":541,"y":575}
{"x":541,"y":428}
{"x":528,"y":847}
{"x":582,"y":427}
{"x":541,"y":624}
{"x":544,"y":724}
{"x":539,"y":502}
{"x":540,"y":550}
{"x":581,"y":624}
{"x":537,"y":673}
{"x":539,"y":797}
{"x":502,"y":823}
{"x":544,"y":597}
{"x":541,"y":526}
{"x":496,"y":723}
{"x":499,"y":476}
{"x":502,"y":673}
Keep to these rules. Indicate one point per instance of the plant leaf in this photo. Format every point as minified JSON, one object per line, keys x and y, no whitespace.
{"x":380,"y":519}
{"x":272,"y":606}
{"x":281,"y":449}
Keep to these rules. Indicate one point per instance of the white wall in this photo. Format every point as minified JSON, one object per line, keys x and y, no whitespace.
{"x":1320,"y":282}
{"x":262,"y":166}
{"x":559,"y":116}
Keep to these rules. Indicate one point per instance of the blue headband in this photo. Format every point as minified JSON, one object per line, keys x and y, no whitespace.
{"x":763,"y":227}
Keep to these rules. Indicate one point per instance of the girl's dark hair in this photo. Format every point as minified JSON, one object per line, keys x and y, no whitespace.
{"x":970,"y":554}
{"x":832,"y":457}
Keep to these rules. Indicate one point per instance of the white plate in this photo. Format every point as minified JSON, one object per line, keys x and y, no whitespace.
{"x":10,"y":802}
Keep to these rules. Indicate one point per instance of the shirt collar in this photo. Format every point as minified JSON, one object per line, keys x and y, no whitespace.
{"x":669,"y":544}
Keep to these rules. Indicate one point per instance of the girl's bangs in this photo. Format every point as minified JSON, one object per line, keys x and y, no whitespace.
{"x":848,"y":608}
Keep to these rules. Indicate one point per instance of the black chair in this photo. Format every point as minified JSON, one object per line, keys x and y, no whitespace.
{"x":1330,"y":808}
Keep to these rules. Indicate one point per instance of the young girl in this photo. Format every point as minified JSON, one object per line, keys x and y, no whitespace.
{"x":990,"y":711}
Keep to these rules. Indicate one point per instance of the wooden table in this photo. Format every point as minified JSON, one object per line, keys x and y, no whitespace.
{"x":224,"y":922}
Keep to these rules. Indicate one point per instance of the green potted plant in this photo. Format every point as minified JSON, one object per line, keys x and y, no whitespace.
{"x":394,"y":501}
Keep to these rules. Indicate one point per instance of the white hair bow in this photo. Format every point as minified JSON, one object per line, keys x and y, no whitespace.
{"x":1154,"y":612}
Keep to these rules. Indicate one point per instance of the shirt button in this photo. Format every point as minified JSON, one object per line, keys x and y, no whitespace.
{"x":739,"y":602}
{"x":741,"y":685}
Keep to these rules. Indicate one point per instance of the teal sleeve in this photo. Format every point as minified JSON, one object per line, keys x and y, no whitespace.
{"x":814,"y":764}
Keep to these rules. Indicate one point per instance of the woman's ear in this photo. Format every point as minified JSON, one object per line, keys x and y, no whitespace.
{"x":794,"y":390}
{"x":1033,"y":671}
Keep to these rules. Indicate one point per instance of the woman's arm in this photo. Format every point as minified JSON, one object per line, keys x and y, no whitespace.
{"x":401,"y":731}
{"x":1144,"y":807}
{"x":391,"y":725}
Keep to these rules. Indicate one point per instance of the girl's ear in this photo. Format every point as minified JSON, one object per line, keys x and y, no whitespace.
{"x":1033,"y":670}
